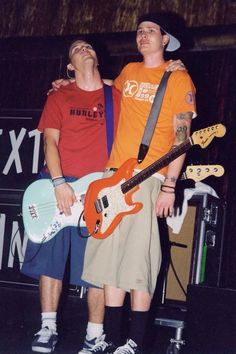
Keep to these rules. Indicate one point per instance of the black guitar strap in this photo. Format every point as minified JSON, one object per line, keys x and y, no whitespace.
{"x":153,"y":117}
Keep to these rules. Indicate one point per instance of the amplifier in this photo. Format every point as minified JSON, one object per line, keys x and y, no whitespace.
{"x":196,"y":252}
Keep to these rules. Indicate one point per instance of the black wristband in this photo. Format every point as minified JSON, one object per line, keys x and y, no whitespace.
{"x":166,"y":186}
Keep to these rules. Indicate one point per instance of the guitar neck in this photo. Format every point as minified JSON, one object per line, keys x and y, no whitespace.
{"x":156,"y":166}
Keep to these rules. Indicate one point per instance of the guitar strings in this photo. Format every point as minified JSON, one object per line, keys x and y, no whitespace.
{"x":42,"y":206}
{"x":42,"y":209}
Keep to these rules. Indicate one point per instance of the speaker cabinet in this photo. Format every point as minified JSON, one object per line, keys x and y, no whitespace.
{"x":181,"y":257}
{"x":196,"y":252}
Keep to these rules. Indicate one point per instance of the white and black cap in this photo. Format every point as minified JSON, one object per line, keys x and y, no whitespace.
{"x":165,"y":22}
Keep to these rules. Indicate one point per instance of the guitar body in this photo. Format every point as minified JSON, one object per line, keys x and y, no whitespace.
{"x":42,"y":219}
{"x":105,"y":204}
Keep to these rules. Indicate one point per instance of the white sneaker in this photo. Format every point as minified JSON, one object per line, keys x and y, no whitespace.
{"x":129,"y":348}
{"x":97,"y":345}
{"x":45,"y":340}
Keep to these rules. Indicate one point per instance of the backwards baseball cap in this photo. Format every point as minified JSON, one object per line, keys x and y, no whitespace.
{"x":165,"y":21}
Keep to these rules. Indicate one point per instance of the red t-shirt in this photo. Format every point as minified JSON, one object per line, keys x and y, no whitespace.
{"x":80,"y":117}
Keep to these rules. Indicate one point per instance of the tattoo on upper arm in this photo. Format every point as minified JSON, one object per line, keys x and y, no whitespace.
{"x":181,"y":134}
{"x":183,"y":124}
{"x":183,"y":116}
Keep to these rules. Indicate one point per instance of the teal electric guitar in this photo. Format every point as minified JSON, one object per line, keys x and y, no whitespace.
{"x":41,"y":217}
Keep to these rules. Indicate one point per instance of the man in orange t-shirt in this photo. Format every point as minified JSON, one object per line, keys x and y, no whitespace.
{"x":130,"y":258}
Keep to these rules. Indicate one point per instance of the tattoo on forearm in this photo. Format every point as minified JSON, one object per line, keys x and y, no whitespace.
{"x":171,"y":178}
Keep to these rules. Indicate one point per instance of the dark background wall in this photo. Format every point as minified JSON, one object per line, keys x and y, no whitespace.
{"x":65,"y":17}
{"x":35,"y":36}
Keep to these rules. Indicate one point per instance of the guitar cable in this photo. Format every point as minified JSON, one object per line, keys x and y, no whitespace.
{"x":41,"y":243}
{"x":79,"y":227}
{"x":177,"y":277}
{"x":173,"y":267}
{"x":23,"y":255}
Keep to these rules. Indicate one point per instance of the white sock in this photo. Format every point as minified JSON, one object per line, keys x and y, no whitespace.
{"x":49,"y":319}
{"x":94,"y":330}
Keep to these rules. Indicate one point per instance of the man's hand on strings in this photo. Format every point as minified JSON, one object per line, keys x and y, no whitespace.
{"x":65,"y":197}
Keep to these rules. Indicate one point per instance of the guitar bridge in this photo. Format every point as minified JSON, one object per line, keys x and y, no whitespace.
{"x":105,"y":202}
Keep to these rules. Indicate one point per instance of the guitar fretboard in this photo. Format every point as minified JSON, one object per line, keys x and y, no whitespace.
{"x":156,"y":166}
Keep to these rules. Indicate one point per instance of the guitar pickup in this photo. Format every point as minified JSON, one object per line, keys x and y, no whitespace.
{"x":98,"y":206}
{"x":105,"y":202}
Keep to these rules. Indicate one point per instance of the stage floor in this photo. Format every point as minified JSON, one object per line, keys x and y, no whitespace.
{"x":20,"y":319}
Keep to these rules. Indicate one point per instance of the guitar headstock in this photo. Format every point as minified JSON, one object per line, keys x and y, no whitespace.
{"x":200,"y":172}
{"x":205,"y":136}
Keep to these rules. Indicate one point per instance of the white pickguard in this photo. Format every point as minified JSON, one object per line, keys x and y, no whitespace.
{"x":116,"y":202}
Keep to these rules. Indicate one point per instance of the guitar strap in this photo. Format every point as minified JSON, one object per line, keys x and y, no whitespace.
{"x":153,"y":117}
{"x":109,"y":114}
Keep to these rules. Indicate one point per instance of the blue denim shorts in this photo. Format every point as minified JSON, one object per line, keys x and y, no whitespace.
{"x":50,"y":258}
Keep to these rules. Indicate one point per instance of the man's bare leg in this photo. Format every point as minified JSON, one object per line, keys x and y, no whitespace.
{"x":46,"y":339}
{"x":96,"y":303}
{"x":50,"y":292}
{"x":114,"y":297}
{"x":140,"y":300}
{"x":96,"y":309}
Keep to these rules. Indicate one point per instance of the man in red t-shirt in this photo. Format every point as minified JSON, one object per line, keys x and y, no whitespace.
{"x":73,"y":124}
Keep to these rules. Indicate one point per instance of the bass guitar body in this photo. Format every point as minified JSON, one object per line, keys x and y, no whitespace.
{"x":41,"y":217}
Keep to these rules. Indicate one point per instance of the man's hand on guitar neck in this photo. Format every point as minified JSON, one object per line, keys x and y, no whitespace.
{"x":65,"y":197}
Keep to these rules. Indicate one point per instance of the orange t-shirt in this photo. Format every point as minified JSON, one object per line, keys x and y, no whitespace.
{"x":138,"y":85}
